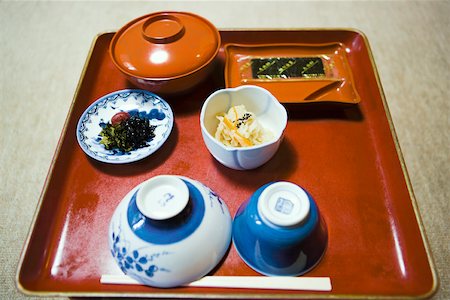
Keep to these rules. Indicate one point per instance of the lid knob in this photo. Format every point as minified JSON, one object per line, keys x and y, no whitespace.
{"x":162,"y":197}
{"x":162,"y":29}
{"x":284,"y":204}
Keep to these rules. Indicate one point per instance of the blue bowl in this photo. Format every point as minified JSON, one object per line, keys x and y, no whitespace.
{"x":279,"y":231}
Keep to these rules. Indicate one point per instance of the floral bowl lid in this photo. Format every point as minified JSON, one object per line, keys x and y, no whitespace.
{"x":169,"y":230}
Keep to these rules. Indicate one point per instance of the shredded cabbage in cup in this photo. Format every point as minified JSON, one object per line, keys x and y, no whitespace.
{"x":239,"y":128}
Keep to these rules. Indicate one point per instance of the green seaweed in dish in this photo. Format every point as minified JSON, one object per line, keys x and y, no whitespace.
{"x":129,"y":134}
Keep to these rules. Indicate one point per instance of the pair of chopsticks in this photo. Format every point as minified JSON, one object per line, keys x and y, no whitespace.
{"x":246,"y":282}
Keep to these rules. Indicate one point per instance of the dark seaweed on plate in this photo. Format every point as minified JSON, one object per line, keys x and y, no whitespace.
{"x":128,"y":135}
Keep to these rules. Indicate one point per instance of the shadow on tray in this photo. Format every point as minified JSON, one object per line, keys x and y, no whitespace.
{"x":324,"y":110}
{"x":281,"y":166}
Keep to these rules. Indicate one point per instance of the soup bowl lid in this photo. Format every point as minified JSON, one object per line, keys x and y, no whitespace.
{"x":165,"y":45}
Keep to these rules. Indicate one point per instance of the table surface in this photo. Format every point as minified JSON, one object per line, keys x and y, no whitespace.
{"x":43,"y":47}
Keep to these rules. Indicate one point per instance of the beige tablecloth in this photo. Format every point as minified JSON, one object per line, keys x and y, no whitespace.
{"x":44,"y":46}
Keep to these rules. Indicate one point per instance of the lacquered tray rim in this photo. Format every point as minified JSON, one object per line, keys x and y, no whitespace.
{"x":50,"y":171}
{"x":171,"y":294}
{"x":404,"y":171}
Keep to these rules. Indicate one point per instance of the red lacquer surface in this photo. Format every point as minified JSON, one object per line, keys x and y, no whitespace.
{"x":345,"y":156}
{"x":336,"y":85}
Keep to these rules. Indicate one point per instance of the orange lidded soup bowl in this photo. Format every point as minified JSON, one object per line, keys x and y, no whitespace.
{"x":166,"y":52}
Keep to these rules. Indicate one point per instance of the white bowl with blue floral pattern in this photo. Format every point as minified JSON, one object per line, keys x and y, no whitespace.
{"x":134,"y":102}
{"x":184,"y":242}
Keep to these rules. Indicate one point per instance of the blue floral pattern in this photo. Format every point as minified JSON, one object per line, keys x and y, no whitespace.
{"x":135,"y":101}
{"x":213,"y":198}
{"x":131,"y":260}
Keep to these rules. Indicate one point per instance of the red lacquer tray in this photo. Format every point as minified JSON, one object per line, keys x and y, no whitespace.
{"x":346,"y":156}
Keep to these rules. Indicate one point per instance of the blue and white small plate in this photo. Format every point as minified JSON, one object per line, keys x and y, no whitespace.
{"x":134,"y":102}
